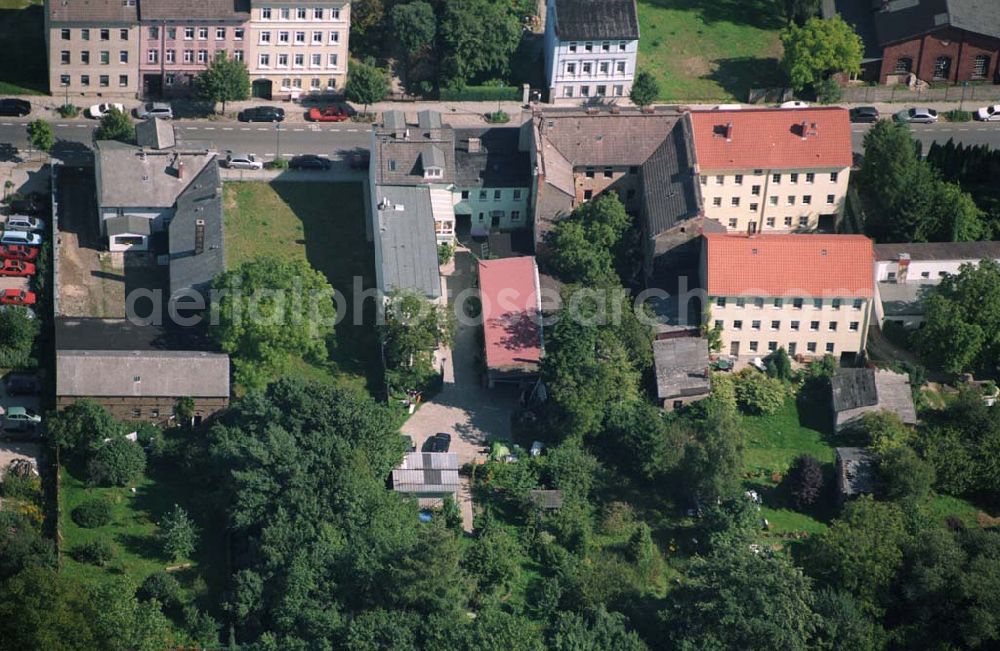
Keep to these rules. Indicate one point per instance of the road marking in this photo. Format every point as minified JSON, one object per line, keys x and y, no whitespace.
{"x":81,"y":126}
{"x":963,"y":129}
{"x":207,"y":128}
{"x":353,"y":130}
{"x":8,"y":124}
{"x":62,"y":125}
{"x":244,"y":128}
{"x":304,"y":129}
{"x":262,"y":129}
{"x":981,"y":129}
{"x":227,"y":128}
{"x":191,"y":128}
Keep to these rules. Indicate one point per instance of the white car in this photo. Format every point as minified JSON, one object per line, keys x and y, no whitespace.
{"x":794,"y":104}
{"x":243,"y":162}
{"x":24,"y":223}
{"x":916,"y":116}
{"x":160,"y":110}
{"x":98,"y":111}
{"x":989,"y":113}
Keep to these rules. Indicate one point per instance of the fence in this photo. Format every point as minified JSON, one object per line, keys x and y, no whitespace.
{"x":482,"y":94}
{"x":889,"y":94}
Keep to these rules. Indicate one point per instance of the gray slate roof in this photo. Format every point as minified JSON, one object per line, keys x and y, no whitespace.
{"x":215,"y":10}
{"x":681,"y":367}
{"x":596,"y":19}
{"x":853,"y":388}
{"x":136,"y":177}
{"x":161,"y":373}
{"x":128,"y":225}
{"x":407,"y":240}
{"x":498,"y":163}
{"x":202,"y":200}
{"x":670,"y":192}
{"x":401,"y":160}
{"x":857,"y":471}
{"x":940,"y":251}
{"x":857,"y":392}
{"x":905,"y":19}
{"x":92,"y":12}
{"x":155,"y":134}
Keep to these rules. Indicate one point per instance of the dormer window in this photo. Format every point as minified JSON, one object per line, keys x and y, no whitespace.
{"x":433,"y":173}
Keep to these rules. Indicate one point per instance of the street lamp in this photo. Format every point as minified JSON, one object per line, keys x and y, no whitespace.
{"x":277,"y":137}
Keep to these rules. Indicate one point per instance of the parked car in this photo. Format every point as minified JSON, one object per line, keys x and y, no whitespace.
{"x":24,"y":223}
{"x":21,"y":418}
{"x":864,"y":114}
{"x":916,"y":116}
{"x":794,"y":104}
{"x":17,"y":297}
{"x":309,"y":162}
{"x":17,"y":268}
{"x":18,"y":252}
{"x":328,"y":114}
{"x":160,"y":110}
{"x":989,"y":113}
{"x":242,"y":162}
{"x":24,"y":238}
{"x":14,"y":107}
{"x":30,"y":204}
{"x":262,"y":114}
{"x":22,"y":384}
{"x":440,"y":442}
{"x":98,"y":111}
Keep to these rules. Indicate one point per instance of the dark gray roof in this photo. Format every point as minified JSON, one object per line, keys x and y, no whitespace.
{"x":429,"y":119}
{"x":215,"y":10}
{"x":93,"y":12}
{"x":128,"y":225}
{"x":596,"y":19}
{"x":901,"y":20}
{"x":399,"y":153}
{"x":681,"y":367}
{"x":200,"y":202}
{"x":598,"y":138}
{"x":119,"y":334}
{"x":857,"y":471}
{"x":940,"y":251}
{"x":155,"y":134}
{"x":853,"y":388}
{"x":160,"y":373}
{"x":498,"y":163}
{"x":670,"y":193}
{"x":134,"y":177}
{"x":405,"y":228}
{"x":394,"y":120}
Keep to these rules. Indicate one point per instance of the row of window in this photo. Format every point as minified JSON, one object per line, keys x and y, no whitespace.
{"x":600,"y":90}
{"x":771,"y":222}
{"x":797,"y":303}
{"x":497,"y":195}
{"x":299,"y":38}
{"x":591,"y":46}
{"x":589,"y":67}
{"x":923,"y":274}
{"x":189,"y":56}
{"x":942,"y":66}
{"x":188,"y":33}
{"x":295,"y":83}
{"x":298,"y":60}
{"x":103,"y":81}
{"x":814,"y":326}
{"x":299,"y":13}
{"x":104,"y":34}
{"x":497,"y":215}
{"x":773,"y":200}
{"x":793,"y":347}
{"x":720,"y":179}
{"x":104,"y":57}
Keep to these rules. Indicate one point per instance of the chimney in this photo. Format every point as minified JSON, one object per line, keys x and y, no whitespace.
{"x":903,"y":267}
{"x":199,"y":236}
{"x":474,"y":145}
{"x":406,"y":134}
{"x":180,"y":169}
{"x":729,"y":131}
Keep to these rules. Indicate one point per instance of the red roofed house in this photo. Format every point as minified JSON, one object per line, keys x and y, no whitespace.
{"x":511,"y":302}
{"x":773,"y":170}
{"x":810,"y":294}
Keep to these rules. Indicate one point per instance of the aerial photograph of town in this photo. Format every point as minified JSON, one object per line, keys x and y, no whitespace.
{"x":499,"y":325}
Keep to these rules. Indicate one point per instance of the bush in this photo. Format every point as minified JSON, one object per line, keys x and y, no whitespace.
{"x":828,"y":91}
{"x":955,"y":115}
{"x":160,"y":586}
{"x":96,"y":552}
{"x":498,"y":117}
{"x":779,"y":365}
{"x":116,"y":463}
{"x":804,"y":481}
{"x":481,"y":94}
{"x":905,"y":475}
{"x":276,"y":164}
{"x":758,"y":394}
{"x":445,"y":253}
{"x":92,"y":513}
{"x":68,"y":111}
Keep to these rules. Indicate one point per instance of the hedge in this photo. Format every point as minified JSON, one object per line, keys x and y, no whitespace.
{"x":481,"y":94}
{"x":92,"y":513}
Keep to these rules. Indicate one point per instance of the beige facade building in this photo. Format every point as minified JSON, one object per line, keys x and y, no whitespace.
{"x":809,"y":294}
{"x":93,"y":47}
{"x":298,"y":48}
{"x":773,"y":170}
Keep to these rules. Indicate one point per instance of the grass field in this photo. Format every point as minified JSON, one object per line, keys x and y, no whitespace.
{"x":711,"y":50}
{"x":324,"y":224}
{"x":23,"y":68}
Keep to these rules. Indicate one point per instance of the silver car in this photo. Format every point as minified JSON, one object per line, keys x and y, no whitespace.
{"x":242,"y":162}
{"x":24,"y":223}
{"x":160,"y":110}
{"x":917,"y":116}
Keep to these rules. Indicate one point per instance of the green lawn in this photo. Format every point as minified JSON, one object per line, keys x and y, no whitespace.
{"x":323,"y":223}
{"x":710,"y":50}
{"x":23,"y":68}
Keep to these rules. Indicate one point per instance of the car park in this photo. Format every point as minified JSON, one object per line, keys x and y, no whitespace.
{"x":24,"y":238}
{"x":22,"y":384}
{"x":794,"y":104}
{"x":309,"y":162}
{"x":24,"y":223}
{"x":160,"y":110}
{"x":864,"y":114}
{"x":328,"y":114}
{"x":262,"y":114}
{"x":916,"y":115}
{"x":12,"y":107}
{"x":242,"y":162}
{"x":989,"y":113}
{"x":17,"y":268}
{"x":18,"y":252}
{"x":98,"y":111}
{"x":17,"y":297}
{"x":20,"y":419}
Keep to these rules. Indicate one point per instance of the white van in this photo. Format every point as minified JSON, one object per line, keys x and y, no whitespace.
{"x":21,"y":237}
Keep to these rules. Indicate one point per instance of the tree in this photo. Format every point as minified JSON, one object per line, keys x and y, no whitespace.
{"x":639,"y":441}
{"x":498,"y":630}
{"x":80,"y":429}
{"x":40,"y":135}
{"x":374,"y":630}
{"x":905,"y":475}
{"x":598,"y":631}
{"x":645,"y":89}
{"x":270,"y":311}
{"x":571,"y":469}
{"x":885,"y":431}
{"x":41,"y":609}
{"x":477,"y":38}
{"x":757,"y":393}
{"x":430,"y":579}
{"x":18,"y":331}
{"x":590,"y":245}
{"x":779,"y":365}
{"x":184,"y":410}
{"x":366,"y":83}
{"x":413,"y":25}
{"x":713,"y":457}
{"x":798,"y":12}
{"x":804,"y":481}
{"x":413,"y":329}
{"x":844,"y":626}
{"x":116,"y":125}
{"x":494,"y":559}
{"x":819,"y":48}
{"x":224,"y":80}
{"x":22,"y":547}
{"x":117,"y":462}
{"x":178,"y":533}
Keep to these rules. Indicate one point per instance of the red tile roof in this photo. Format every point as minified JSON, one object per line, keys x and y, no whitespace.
{"x":805,"y":266}
{"x":772,"y":139}
{"x":510,"y":297}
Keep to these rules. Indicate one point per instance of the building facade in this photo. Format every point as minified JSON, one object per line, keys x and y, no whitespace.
{"x":590,"y":48}
{"x":92,"y":47}
{"x":492,"y":180}
{"x":809,"y":294}
{"x":299,"y":48}
{"x":773,"y":170}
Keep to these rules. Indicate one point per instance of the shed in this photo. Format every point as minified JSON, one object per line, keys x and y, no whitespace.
{"x":427,"y":474}
{"x":682,"y":374}
{"x":858,"y":391}
{"x":855,"y":472}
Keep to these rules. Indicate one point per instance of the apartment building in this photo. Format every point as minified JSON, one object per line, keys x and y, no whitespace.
{"x":773,"y":170}
{"x":92,"y":47}
{"x":809,"y":294}
{"x":299,"y":48}
{"x":179,"y":38}
{"x":492,"y":180}
{"x":590,"y":48}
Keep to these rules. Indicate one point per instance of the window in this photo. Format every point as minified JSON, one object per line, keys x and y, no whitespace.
{"x":570,"y":68}
{"x":296,"y":83}
{"x":314,"y":85}
{"x":753,"y":346}
{"x":64,"y":80}
{"x":733,"y":223}
{"x":795,"y":326}
{"x":588,"y":195}
{"x":738,"y":179}
{"x":778,"y":303}
{"x":515,"y":215}
{"x":300,"y":38}
{"x":282,"y":60}
{"x":811,"y":346}
{"x":602,"y":90}
{"x":104,"y":81}
{"x":817,"y":303}
{"x":608,"y":173}
{"x":587,"y":67}
{"x":773,"y":201}
{"x":755,"y":206}
{"x":237,"y":55}
{"x":105,"y":57}
{"x":84,"y":80}
{"x":154,"y":32}
{"x":776,"y":179}
{"x":804,"y":222}
{"x":718,"y":324}
{"x":620,"y":67}
{"x":737,"y":325}
{"x":203,"y":33}
{"x":316,"y":60}
{"x":482,"y":195}
{"x":392,"y":165}
{"x":465,"y":195}
{"x":220,"y":33}
{"x":264,"y":60}
{"x":588,"y":47}
{"x":572,"y":46}
{"x":854,"y":326}
{"x":335,"y":37}
{"x":285,"y":13}
{"x":720,"y":301}
{"x":834,"y":176}
{"x":755,"y":325}
{"x":717,"y":201}
{"x":84,"y":34}
{"x":497,"y":195}
{"x":758,"y":303}
{"x":925,"y":274}
{"x":741,"y":303}
{"x":64,"y":57}
{"x":123,"y":80}
{"x":189,"y":56}
{"x":318,"y":13}
{"x":168,"y":79}
{"x":604,"y":67}
{"x":300,"y":13}
{"x":335,"y":14}
{"x":807,"y":199}
{"x":202,"y":56}
{"x":790,"y":201}
{"x":814,"y":326}
{"x":238,"y":34}
{"x":797,"y":303}
{"x":829,"y":347}
{"x":942,"y":67}
{"x":770,"y":220}
{"x":105,"y":34}
{"x":517,"y":195}
{"x":858,"y":303}
{"x":136,"y":412}
{"x":299,"y":60}
{"x":903,"y":66}
{"x":788,"y":221}
{"x":317,"y":38}
{"x":980,"y":66}
{"x":719,"y":179}
{"x":64,"y":34}
{"x":189,"y":34}
{"x":589,"y":172}
{"x":332,"y":61}
{"x":735,"y":201}
{"x":829,"y":199}
{"x":621,"y":46}
{"x":832,"y":326}
{"x":153,"y":56}
{"x":772,"y":346}
{"x":792,"y":347}
{"x":775,"y":325}
{"x":283,"y":37}
{"x":794,"y":178}
{"x":122,"y":56}
{"x":835,"y":303}
{"x":755,"y":190}
{"x":265,"y":13}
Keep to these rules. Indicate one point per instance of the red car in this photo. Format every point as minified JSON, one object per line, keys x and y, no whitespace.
{"x":328,"y":114}
{"x":17,"y":297}
{"x":18,"y":252}
{"x":17,"y":268}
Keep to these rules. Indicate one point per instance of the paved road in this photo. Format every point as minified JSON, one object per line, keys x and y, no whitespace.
{"x":260,"y":139}
{"x":969,"y":133}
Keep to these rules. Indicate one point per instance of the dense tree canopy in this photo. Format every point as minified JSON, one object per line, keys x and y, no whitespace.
{"x":477,"y":37}
{"x":592,"y":244}
{"x":366,"y":83}
{"x":224,"y":80}
{"x":116,"y":125}
{"x":818,"y":49}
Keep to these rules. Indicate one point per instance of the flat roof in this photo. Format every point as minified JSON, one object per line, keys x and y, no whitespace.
{"x":407,"y":240}
{"x":511,"y":304}
{"x":939,"y":251}
{"x":681,"y":367}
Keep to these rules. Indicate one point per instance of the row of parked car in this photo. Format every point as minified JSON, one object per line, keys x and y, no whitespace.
{"x":250,"y":162}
